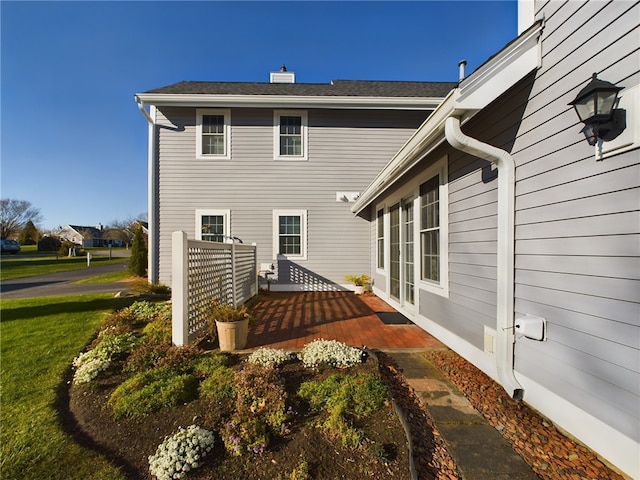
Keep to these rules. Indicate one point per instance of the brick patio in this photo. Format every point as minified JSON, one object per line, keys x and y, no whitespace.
{"x":289,"y":320}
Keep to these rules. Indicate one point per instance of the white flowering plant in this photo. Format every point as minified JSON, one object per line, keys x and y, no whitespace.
{"x":269,"y":357}
{"x":89,"y":364}
{"x":181,"y":452}
{"x":330,"y":353}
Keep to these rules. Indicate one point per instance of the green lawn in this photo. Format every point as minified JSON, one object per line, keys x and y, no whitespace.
{"x":38,"y":340}
{"x":107,"y":277}
{"x":12,"y":267}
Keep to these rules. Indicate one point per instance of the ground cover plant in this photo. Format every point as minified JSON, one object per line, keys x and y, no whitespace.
{"x":39,"y":338}
{"x":160,"y":411}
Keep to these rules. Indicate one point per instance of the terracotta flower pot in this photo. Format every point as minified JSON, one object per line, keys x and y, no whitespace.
{"x":232,"y":335}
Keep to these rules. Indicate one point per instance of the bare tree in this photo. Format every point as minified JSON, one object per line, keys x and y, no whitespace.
{"x":123,"y":230}
{"x":14,"y":215}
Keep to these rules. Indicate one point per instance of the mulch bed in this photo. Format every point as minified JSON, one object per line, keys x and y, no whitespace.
{"x":551,"y":454}
{"x":128,"y":442}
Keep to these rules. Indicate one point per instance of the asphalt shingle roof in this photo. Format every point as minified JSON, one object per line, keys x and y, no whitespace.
{"x":347,"y":88}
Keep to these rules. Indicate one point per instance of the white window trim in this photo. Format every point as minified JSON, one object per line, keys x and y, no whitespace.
{"x":439,"y":168}
{"x":227,"y":133}
{"x":303,"y":133}
{"x":385,"y":236}
{"x":276,"y":233}
{"x":200,"y":212}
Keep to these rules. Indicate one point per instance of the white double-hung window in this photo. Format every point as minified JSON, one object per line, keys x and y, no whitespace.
{"x":290,"y":234}
{"x":213,"y":133}
{"x":434,"y":230}
{"x":430,"y":229}
{"x":212,"y":225}
{"x":290,"y":135}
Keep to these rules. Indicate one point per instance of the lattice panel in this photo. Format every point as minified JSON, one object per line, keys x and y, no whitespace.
{"x":209,"y":278}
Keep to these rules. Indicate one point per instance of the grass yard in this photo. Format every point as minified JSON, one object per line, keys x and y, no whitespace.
{"x":107,"y":277}
{"x":38,"y":339}
{"x":11,"y":267}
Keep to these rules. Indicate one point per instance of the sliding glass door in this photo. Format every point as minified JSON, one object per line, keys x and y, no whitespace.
{"x":401,"y":252}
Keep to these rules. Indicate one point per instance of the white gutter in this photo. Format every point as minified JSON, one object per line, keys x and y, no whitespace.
{"x":152,"y":265}
{"x":505,"y":270}
{"x":284,"y":101}
{"x":427,"y":137}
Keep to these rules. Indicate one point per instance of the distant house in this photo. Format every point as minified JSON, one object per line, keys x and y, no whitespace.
{"x":276,"y":163}
{"x":87,"y":236}
{"x":499,"y":229}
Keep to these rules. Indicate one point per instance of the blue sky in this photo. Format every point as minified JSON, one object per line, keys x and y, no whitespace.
{"x":73,"y":142}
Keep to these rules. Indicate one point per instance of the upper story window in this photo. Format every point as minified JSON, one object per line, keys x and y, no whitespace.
{"x":213,"y":132}
{"x":290,"y":135}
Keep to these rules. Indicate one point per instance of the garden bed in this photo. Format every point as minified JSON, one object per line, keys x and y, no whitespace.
{"x":310,"y":441}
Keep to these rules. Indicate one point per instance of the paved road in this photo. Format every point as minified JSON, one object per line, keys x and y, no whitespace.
{"x":61,"y":283}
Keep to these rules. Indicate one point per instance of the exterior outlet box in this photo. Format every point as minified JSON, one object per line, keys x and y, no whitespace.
{"x":489,"y":339}
{"x":530,"y":326}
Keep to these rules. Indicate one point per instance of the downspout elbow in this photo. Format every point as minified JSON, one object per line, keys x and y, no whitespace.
{"x":143,"y":110}
{"x":505,"y":248}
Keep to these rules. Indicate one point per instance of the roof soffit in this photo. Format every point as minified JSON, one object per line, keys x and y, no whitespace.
{"x":283,"y":101}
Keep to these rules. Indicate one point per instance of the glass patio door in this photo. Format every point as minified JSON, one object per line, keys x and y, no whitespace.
{"x":394,"y":252}
{"x":408,"y":283}
{"x":401,"y":253}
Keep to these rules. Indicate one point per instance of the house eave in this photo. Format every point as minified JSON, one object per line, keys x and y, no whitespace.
{"x":492,"y":79}
{"x":518,"y":58}
{"x":428,"y":136}
{"x":289,"y":101}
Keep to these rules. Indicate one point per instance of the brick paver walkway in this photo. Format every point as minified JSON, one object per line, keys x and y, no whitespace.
{"x":289,"y":320}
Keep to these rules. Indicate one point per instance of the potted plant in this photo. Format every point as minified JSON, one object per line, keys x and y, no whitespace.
{"x":359,"y":282}
{"x":231,"y":323}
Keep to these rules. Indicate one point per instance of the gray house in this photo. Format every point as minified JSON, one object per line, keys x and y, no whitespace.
{"x":278,"y":164}
{"x":499,"y":229}
{"x":479,"y":208}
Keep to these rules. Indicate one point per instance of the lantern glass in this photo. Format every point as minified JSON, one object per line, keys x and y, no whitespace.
{"x":596,"y":107}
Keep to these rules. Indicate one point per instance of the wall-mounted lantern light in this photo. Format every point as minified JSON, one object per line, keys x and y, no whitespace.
{"x":596,"y":107}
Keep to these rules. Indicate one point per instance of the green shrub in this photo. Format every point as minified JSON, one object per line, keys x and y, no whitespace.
{"x":63,"y":250}
{"x":260,"y":411}
{"x":219,"y":386}
{"x":49,"y":244}
{"x":179,"y":359}
{"x":146,"y":311}
{"x":122,"y":320}
{"x":207,"y":364}
{"x":138,"y":259}
{"x":152,"y":390}
{"x":345,"y":398}
{"x":145,"y":356}
{"x":158,"y":332}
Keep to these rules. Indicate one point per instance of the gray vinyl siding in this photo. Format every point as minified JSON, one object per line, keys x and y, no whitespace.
{"x":578,"y":221}
{"x":577,"y":232}
{"x":346,"y":149}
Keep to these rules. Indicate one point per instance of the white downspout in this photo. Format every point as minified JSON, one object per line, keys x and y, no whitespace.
{"x":152,"y":270}
{"x":506,"y":226}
